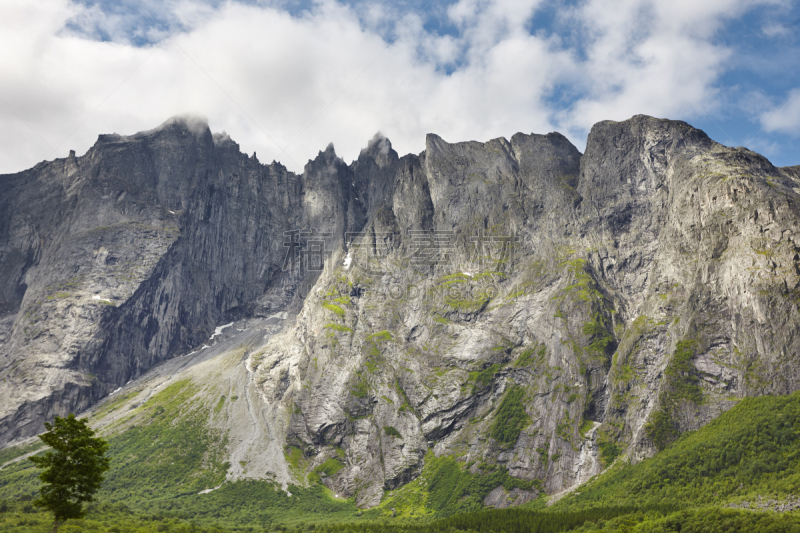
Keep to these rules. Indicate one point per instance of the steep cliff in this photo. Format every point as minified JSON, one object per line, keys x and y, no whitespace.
{"x":117,"y":260}
{"x":573,"y":308}
{"x":516,"y":305}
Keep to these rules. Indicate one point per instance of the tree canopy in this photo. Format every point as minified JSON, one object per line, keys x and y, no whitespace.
{"x":73,"y":469}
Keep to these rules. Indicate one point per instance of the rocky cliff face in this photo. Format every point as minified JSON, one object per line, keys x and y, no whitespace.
{"x":512,"y":303}
{"x":120,"y":259}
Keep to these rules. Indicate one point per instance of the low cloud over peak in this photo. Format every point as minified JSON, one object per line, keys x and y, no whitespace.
{"x":286,"y":83}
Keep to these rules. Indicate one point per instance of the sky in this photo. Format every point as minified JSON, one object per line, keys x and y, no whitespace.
{"x":285,"y":78}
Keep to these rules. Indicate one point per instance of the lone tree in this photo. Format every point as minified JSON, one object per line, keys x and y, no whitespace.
{"x":73,"y":470}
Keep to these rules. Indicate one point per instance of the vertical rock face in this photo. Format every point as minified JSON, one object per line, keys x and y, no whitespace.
{"x":514,"y":303}
{"x":642,"y":298}
{"x":133,"y":253}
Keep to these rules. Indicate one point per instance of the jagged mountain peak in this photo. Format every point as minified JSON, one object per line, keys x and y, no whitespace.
{"x":178,"y":126}
{"x":380,"y":150}
{"x":636,"y":289}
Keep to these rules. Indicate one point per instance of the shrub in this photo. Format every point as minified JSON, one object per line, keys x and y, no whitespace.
{"x":389,"y":430}
{"x":511,"y":417}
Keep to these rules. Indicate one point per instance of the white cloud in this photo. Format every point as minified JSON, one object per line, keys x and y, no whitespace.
{"x":776,"y":30}
{"x":784,"y":117}
{"x":273,"y":80}
{"x":652,"y":57}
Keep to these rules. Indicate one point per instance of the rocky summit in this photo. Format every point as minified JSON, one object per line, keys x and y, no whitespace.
{"x":510,"y":304}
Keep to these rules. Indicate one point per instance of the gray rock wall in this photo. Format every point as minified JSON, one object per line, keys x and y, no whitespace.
{"x":647,"y":240}
{"x":134,"y":252}
{"x":509,"y":302}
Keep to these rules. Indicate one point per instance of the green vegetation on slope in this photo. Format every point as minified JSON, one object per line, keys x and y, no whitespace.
{"x":9,"y":454}
{"x":703,"y":520}
{"x":161,"y":463}
{"x":240,"y":506}
{"x":20,"y":517}
{"x":511,"y":418}
{"x":682,"y":384}
{"x":336,"y":309}
{"x":173,"y":454}
{"x":392,"y":431}
{"x":446,"y":487}
{"x":749,"y":451}
{"x":483,"y":378}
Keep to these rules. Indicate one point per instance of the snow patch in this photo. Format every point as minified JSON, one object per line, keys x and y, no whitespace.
{"x":218,"y":331}
{"x":206,"y":491}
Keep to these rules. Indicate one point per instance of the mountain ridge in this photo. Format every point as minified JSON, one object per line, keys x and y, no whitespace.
{"x":642,"y":286}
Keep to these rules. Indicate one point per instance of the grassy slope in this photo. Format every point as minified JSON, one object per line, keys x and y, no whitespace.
{"x":752,"y":450}
{"x":163,"y":454}
{"x":446,"y":487}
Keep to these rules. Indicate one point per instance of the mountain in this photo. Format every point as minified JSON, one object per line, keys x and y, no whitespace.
{"x":515,"y":309}
{"x":723,"y":476}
